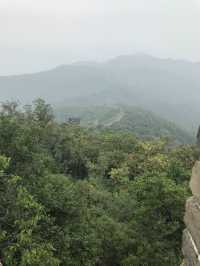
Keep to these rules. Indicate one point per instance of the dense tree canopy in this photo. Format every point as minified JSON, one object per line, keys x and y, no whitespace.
{"x":71,"y":196}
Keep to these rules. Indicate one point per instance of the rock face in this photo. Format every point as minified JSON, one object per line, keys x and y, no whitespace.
{"x":191,"y":235}
{"x":195,"y":180}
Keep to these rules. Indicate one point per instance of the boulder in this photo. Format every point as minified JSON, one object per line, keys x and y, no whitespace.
{"x":191,"y":235}
{"x":195,"y":179}
{"x":190,"y":251}
{"x":192,"y":219}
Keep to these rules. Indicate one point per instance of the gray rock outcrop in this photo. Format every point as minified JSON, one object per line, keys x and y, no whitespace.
{"x":191,"y":235}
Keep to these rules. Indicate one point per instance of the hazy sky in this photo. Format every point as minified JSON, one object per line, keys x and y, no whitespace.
{"x":40,"y":34}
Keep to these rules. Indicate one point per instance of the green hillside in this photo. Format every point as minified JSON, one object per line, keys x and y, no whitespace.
{"x":143,"y":124}
{"x":169,"y":88}
{"x":72,"y":196}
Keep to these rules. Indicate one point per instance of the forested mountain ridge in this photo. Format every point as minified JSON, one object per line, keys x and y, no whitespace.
{"x":168,"y":87}
{"x":144,"y":124}
{"x":72,"y":196}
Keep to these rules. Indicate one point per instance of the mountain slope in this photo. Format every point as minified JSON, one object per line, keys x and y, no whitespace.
{"x":143,"y":124}
{"x":167,"y":87}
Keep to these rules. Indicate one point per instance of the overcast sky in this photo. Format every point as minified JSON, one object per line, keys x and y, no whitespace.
{"x":40,"y":34}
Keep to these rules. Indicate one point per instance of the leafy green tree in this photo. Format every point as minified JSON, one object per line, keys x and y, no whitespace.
{"x":157,"y":221}
{"x":22,"y":239}
{"x":74,"y":196}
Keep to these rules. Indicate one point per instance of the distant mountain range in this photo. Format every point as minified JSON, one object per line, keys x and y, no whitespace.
{"x":143,"y":124}
{"x":167,"y":87}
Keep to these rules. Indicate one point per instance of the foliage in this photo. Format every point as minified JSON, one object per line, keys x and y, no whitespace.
{"x":73,"y":196}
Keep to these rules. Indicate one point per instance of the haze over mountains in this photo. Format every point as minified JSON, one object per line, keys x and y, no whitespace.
{"x":167,"y":87}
